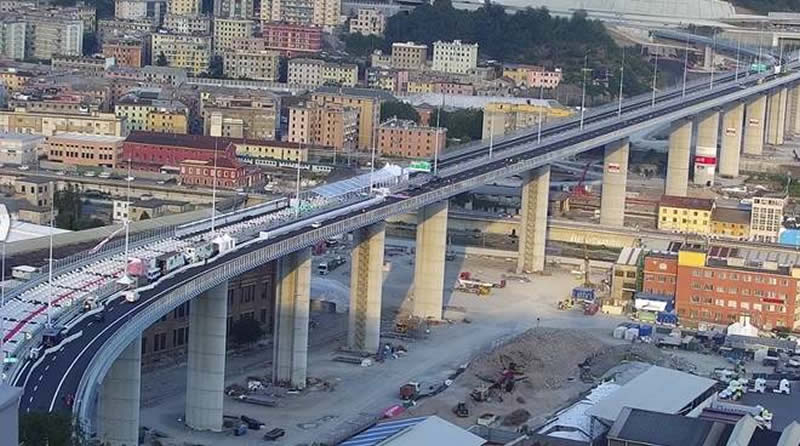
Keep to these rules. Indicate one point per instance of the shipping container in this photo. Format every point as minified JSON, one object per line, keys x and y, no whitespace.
{"x":583,"y":293}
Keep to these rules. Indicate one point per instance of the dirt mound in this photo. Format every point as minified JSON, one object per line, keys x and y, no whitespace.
{"x":601,"y":362}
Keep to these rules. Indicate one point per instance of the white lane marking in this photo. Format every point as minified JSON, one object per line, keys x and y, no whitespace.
{"x":30,"y":400}
{"x":40,"y":377}
{"x":35,"y":388}
{"x":47,"y":368}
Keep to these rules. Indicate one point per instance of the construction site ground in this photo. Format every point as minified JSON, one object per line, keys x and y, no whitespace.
{"x":346,"y":396}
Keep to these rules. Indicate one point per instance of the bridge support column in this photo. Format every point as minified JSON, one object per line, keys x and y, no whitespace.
{"x":292,"y":307}
{"x":118,"y":410}
{"x":533,"y":227}
{"x":754,"y":115}
{"x":366,"y":281}
{"x":731,"y":145}
{"x":680,"y":139}
{"x":793,"y":112}
{"x":429,"y":263}
{"x":705,"y":160}
{"x":776,"y":117}
{"x":205,"y":383}
{"x":615,"y":180}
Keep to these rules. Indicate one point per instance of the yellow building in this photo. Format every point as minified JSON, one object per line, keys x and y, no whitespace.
{"x":21,"y":120}
{"x":367,"y":101}
{"x":315,"y":72}
{"x":168,"y":121}
{"x":190,"y":52}
{"x":280,"y":150}
{"x":685,"y":214}
{"x":154,"y":115}
{"x":226,"y":30}
{"x":500,"y":118}
{"x":730,"y":223}
{"x":419,"y":86}
{"x":260,"y":65}
{"x":14,"y":79}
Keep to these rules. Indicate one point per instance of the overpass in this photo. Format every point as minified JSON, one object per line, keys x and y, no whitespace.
{"x":98,"y":363}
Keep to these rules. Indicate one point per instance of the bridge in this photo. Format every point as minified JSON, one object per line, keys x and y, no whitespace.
{"x":93,"y":366}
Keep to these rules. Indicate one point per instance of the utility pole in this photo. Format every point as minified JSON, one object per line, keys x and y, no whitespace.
{"x":583,"y":94}
{"x":655,"y":77}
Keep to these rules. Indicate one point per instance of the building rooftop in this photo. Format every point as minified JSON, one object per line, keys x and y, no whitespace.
{"x":32,"y":179}
{"x":639,"y":393}
{"x":455,"y":101}
{"x":308,"y":60}
{"x":19,"y":137}
{"x":83,"y":137}
{"x":430,"y":430}
{"x":629,"y":256}
{"x":21,"y":230}
{"x":153,"y":203}
{"x":648,"y":427}
{"x":731,"y":215}
{"x":178,"y":140}
{"x":673,"y":201}
{"x":394,"y":122}
{"x":351,"y":91}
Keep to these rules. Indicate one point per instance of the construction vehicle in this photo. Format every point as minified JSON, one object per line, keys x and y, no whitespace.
{"x":480,"y":393}
{"x":469,"y":284}
{"x":461,"y":410}
{"x":566,"y":304}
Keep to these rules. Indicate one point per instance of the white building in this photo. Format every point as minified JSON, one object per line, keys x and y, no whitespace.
{"x":766,"y":219}
{"x":12,"y":39}
{"x":19,"y":148}
{"x":140,"y":9}
{"x":120,"y":210}
{"x":315,"y":72}
{"x":454,"y":57}
{"x":368,"y":22}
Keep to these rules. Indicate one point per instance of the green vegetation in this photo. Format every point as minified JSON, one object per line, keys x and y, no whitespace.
{"x":246,"y":331}
{"x":362,"y":46}
{"x":463,"y":125}
{"x":69,"y":211}
{"x":161,"y":60}
{"x":51,"y":429}
{"x":399,"y":109}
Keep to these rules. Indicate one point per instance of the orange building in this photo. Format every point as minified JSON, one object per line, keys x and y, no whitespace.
{"x":79,"y":149}
{"x":397,"y":137}
{"x":127,"y":52}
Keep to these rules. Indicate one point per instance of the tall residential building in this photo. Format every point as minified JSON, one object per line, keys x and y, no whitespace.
{"x":46,"y":37}
{"x":233,"y":9}
{"x":12,"y":38}
{"x":367,"y":101}
{"x":289,"y":39}
{"x":500,"y":118}
{"x":149,"y":113}
{"x":766,"y":219}
{"x":259,"y":65}
{"x":226,"y":30}
{"x":409,"y":56}
{"x":406,"y":139}
{"x":184,"y":7}
{"x":315,"y":72}
{"x":235,"y":115}
{"x":190,"y":52}
{"x":327,"y":13}
{"x":187,"y":24}
{"x":21,"y":120}
{"x":454,"y":57}
{"x":140,"y":9}
{"x":323,"y":13}
{"x":368,"y":22}
{"x":134,"y":53}
{"x":331,"y":125}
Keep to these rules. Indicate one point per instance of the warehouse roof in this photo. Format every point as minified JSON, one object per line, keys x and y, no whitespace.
{"x":646,"y":392}
{"x":178,"y":140}
{"x":731,"y":215}
{"x":351,"y":91}
{"x":675,"y":201}
{"x":648,"y":427}
{"x":413,"y":432}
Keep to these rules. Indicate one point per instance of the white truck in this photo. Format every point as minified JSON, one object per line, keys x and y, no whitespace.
{"x":170,"y":262}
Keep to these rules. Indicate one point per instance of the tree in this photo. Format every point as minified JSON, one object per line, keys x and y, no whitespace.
{"x":399,"y":109}
{"x":161,"y":60}
{"x":463,"y":125}
{"x":69,"y":211}
{"x":246,"y":331}
{"x":215,"y":67}
{"x":41,"y":428}
{"x":359,"y":45}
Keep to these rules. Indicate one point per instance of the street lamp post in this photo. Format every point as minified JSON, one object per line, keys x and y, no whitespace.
{"x":621,"y":77}
{"x":685,"y":66}
{"x":541,"y":108}
{"x":655,"y":77}
{"x":583,"y":94}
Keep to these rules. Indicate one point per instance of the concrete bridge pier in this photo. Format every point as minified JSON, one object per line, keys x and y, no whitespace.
{"x":366,"y":282}
{"x":205,"y":382}
{"x":680,"y":140}
{"x":429,"y":263}
{"x":793,"y":112}
{"x":705,"y":160}
{"x":754,"y":115}
{"x":118,"y":409}
{"x":731,"y":144}
{"x":533,"y":227}
{"x":292,"y":308}
{"x":776,"y":116}
{"x":615,"y":180}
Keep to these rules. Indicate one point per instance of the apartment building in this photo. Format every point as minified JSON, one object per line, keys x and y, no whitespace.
{"x":21,"y":120}
{"x":624,"y":280}
{"x":234,"y":9}
{"x":12,"y":38}
{"x":717,"y":285}
{"x":91,"y":65}
{"x":226,"y":30}
{"x":145,"y":111}
{"x":150,"y":75}
{"x":133,"y":53}
{"x":730,"y":223}
{"x":250,"y":296}
{"x":187,"y":24}
{"x":77,"y":149}
{"x":685,"y":214}
{"x":367,"y":101}
{"x":13,"y":79}
{"x":380,"y":60}
{"x":660,"y":271}
{"x":184,"y":7}
{"x":229,"y":174}
{"x":190,"y":52}
{"x":406,"y":139}
{"x":273,"y":150}
{"x":258,"y":65}
{"x":500,"y":118}
{"x":533,"y":76}
{"x":409,"y":56}
{"x":766,"y":218}
{"x":154,"y":10}
{"x":368,"y":22}
{"x":37,"y":191}
{"x":329,"y":124}
{"x":119,"y":29}
{"x":19,"y":149}
{"x":287,"y":38}
{"x":322,"y":13}
{"x":235,"y":115}
{"x":150,"y":151}
{"x":315,"y":72}
{"x":454,"y":57}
